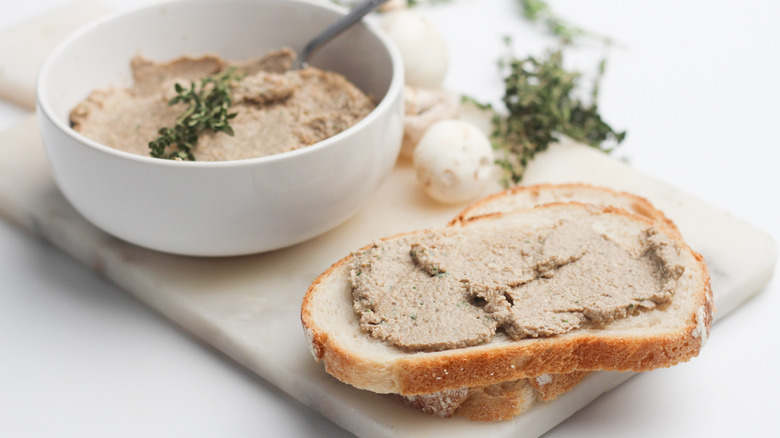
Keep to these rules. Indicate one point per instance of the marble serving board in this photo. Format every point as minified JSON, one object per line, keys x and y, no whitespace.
{"x":248,"y":307}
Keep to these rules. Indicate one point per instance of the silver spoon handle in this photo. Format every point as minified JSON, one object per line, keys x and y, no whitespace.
{"x":336,"y":28}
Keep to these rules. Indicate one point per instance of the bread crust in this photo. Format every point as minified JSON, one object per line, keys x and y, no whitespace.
{"x":550,"y":386}
{"x":501,"y":361}
{"x":497,"y":402}
{"x":520,"y":197}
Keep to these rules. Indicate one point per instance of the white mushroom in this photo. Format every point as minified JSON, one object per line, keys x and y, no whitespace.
{"x":453,"y":161}
{"x":423,"y":48}
{"x":423,"y":107}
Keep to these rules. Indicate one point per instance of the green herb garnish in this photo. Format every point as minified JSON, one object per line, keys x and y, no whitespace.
{"x":538,"y":11}
{"x":207,"y":109}
{"x":540,"y":104}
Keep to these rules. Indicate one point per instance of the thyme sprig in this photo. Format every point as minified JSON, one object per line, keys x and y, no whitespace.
{"x":538,"y":11}
{"x":208,"y":109}
{"x":540,"y":105}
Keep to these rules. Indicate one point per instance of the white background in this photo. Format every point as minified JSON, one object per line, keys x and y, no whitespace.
{"x":695,"y":83}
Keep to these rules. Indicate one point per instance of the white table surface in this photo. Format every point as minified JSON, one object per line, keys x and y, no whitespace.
{"x":694,"y":83}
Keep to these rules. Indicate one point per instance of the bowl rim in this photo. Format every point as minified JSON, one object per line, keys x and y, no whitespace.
{"x":395,"y":88}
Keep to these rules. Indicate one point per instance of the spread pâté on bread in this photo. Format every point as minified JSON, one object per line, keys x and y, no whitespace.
{"x":443,"y":289}
{"x":670,"y":330}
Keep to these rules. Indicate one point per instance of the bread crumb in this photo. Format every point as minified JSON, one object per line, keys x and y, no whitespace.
{"x":544,"y":379}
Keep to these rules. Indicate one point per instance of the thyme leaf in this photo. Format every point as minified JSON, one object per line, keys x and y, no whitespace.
{"x":208,"y":109}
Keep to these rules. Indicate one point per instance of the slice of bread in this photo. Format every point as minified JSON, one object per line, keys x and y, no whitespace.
{"x":662,"y":337}
{"x":496,"y":402}
{"x":505,"y":400}
{"x":522,"y":197}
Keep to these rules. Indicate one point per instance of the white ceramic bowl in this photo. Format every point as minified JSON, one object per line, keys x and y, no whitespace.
{"x":232,"y":207}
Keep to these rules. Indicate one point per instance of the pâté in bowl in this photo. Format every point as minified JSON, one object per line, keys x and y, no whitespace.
{"x":244,"y":204}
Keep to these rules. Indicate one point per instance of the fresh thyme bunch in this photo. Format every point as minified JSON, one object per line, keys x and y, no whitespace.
{"x":540,"y":105}
{"x":208,"y":106}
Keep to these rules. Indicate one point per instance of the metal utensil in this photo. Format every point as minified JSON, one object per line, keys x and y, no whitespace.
{"x":335,"y":29}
